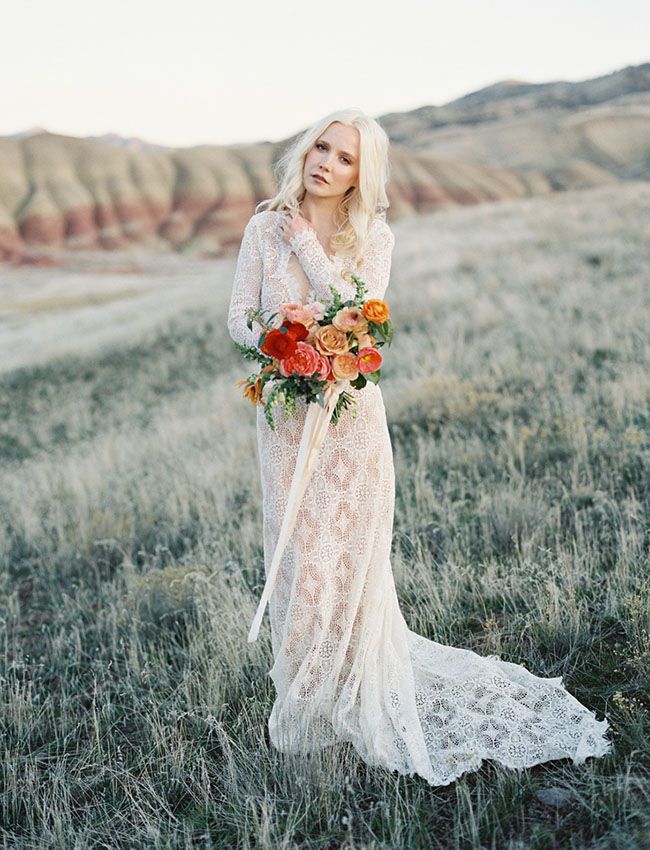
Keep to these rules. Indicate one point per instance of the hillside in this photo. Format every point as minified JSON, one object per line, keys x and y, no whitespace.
{"x":510,"y":140}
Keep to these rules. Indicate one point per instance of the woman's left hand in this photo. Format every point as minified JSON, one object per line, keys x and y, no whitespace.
{"x":292,"y":222}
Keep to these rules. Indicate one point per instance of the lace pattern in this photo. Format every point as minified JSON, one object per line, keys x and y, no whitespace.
{"x":346,"y":665}
{"x":247,"y":287}
{"x":322,"y":271}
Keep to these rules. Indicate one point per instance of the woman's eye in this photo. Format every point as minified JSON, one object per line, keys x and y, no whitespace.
{"x":344,"y":158}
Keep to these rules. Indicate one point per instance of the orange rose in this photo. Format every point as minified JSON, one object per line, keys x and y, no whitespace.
{"x":376,"y":310}
{"x":329,"y":340}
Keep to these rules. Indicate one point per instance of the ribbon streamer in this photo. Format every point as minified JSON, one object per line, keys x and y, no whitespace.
{"x":313,"y":434}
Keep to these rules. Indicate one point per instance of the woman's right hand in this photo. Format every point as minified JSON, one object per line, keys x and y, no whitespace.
{"x":292,"y":222}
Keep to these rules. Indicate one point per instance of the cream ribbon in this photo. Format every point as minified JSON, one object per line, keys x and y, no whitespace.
{"x":313,"y":434}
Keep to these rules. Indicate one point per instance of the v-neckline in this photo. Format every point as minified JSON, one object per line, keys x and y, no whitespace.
{"x":322,"y":246}
{"x":293,"y":283}
{"x":331,"y":259}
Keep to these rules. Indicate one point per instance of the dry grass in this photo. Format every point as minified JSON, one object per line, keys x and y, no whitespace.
{"x":134,"y":711}
{"x":65,"y":302}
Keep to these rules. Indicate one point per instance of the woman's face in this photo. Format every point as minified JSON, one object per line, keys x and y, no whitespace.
{"x":335,"y":156}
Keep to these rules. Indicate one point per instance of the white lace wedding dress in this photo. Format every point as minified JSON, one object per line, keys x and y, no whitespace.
{"x":346,"y":665}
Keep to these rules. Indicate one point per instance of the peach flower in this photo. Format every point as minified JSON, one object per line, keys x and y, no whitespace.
{"x":369,"y":360}
{"x":350,"y":320}
{"x":344,"y":367}
{"x":365,"y":341}
{"x":330,"y":340}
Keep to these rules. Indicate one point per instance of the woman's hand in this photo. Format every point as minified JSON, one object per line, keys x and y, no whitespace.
{"x":291,"y":223}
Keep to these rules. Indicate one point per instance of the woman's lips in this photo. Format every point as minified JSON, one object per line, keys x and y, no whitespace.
{"x":317,"y":177}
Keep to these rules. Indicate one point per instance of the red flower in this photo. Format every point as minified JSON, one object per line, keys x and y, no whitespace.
{"x":279,"y":344}
{"x":296,"y":329}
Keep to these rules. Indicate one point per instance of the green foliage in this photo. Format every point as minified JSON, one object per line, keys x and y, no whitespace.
{"x":335,"y":305}
{"x":287,"y":391}
{"x":275,"y":396}
{"x":252,"y":353}
{"x":264,"y":318}
{"x":345,"y":401}
{"x":383,"y":332}
{"x":361,"y":292}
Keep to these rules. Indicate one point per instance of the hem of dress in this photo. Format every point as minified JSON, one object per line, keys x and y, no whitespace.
{"x":598,"y":729}
{"x":590,"y":728}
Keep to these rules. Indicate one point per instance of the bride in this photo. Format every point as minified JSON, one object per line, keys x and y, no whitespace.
{"x":346,"y":665}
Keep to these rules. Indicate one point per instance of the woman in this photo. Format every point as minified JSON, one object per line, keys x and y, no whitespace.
{"x":346,"y":665}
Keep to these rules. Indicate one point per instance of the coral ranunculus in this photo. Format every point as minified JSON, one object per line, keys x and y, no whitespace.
{"x":344,"y":367}
{"x":330,"y":340}
{"x":304,"y":361}
{"x":279,"y":343}
{"x":376,"y":310}
{"x":369,"y":360}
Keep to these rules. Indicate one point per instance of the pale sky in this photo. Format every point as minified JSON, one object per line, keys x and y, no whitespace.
{"x":199,"y":72}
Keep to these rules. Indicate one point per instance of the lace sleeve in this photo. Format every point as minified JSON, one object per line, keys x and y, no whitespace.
{"x":322,"y":272}
{"x":246,"y":288}
{"x":375,"y":269}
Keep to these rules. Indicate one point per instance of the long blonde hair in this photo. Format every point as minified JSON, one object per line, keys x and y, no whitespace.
{"x":362,"y":203}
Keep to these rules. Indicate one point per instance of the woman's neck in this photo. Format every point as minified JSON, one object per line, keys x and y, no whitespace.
{"x":319,"y":212}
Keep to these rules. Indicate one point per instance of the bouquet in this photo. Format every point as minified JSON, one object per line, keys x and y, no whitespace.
{"x":302,"y":348}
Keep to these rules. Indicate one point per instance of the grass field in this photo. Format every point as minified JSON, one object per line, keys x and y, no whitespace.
{"x":517,"y":389}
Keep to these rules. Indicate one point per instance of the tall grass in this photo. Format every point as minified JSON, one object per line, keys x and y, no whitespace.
{"x":134,"y":710}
